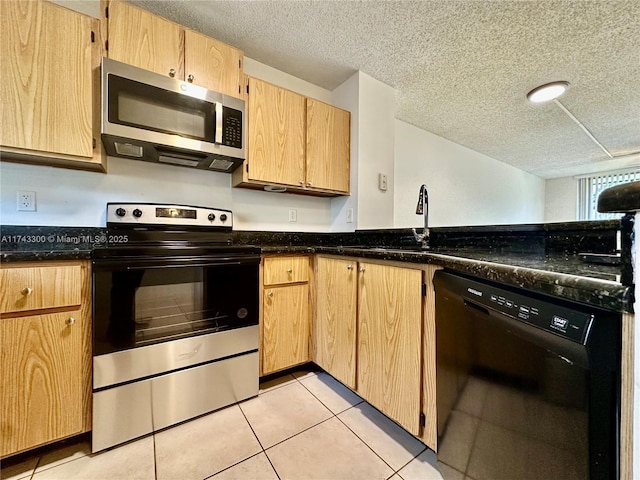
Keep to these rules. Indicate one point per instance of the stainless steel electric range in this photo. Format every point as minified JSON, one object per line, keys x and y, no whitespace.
{"x":175,"y":309}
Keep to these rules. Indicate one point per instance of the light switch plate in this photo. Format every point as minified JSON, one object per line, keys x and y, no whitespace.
{"x":293,"y":215}
{"x":382,"y":182}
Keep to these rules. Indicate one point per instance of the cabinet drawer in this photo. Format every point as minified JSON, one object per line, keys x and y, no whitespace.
{"x":278,"y":270}
{"x":33,"y":288}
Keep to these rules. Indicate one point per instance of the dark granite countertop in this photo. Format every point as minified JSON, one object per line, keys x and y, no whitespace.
{"x":519,"y":256}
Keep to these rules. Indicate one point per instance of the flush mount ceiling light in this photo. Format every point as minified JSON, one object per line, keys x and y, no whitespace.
{"x":549,"y":91}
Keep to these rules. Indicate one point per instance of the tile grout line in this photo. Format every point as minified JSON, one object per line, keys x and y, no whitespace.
{"x":259,"y":443}
{"x":35,"y":468}
{"x":155,"y":463}
{"x":368,"y":446}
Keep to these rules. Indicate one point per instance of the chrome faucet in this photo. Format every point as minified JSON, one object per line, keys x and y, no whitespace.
{"x":423,"y":208}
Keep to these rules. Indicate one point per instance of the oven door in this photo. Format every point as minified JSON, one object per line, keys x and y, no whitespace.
{"x":140,"y":302}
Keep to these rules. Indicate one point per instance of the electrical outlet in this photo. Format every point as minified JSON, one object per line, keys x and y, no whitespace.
{"x":293,"y":215}
{"x":382,"y":182}
{"x":349,"y":215}
{"x":26,"y":201}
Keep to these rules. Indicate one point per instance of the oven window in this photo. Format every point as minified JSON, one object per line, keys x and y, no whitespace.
{"x":134,"y":308}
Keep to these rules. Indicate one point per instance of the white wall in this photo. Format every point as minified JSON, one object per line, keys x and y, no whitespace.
{"x":465,"y":187}
{"x":347,"y":96}
{"x":377,"y":108}
{"x":561,"y":199}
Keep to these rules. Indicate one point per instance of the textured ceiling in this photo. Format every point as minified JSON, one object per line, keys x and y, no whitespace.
{"x":461,"y":68}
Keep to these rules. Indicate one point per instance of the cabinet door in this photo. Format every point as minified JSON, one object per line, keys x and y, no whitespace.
{"x":334,"y":326}
{"x":46,"y":92}
{"x":212,"y":64}
{"x":41,"y":380}
{"x":145,"y":40}
{"x":328,"y":147}
{"x":285,"y":334}
{"x":276,"y":134}
{"x":389,"y":341}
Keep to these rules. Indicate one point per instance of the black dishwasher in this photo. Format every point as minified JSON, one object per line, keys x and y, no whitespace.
{"x":528,"y":385}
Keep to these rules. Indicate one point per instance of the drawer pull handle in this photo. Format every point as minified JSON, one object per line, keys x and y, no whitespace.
{"x":190,"y":78}
{"x":70,"y":321}
{"x":361,"y":269}
{"x":27,"y":291}
{"x":269,"y":294}
{"x":289,"y":271}
{"x":172,"y":72}
{"x":349,"y":267}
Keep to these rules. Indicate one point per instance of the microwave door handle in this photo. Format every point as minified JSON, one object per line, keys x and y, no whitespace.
{"x":218,"y":134}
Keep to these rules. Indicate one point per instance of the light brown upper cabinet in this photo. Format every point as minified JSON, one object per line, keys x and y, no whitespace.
{"x":50,"y":93}
{"x":295,"y":142}
{"x":145,"y":40}
{"x":276,"y":134}
{"x":328,"y":147}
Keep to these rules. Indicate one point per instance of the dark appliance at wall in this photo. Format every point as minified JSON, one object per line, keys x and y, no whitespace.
{"x":175,"y":308}
{"x":528,"y":385}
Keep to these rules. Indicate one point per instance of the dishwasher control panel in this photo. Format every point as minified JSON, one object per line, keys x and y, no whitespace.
{"x":550,"y":315}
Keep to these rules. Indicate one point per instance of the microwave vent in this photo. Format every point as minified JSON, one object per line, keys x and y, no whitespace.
{"x":128,"y":149}
{"x":177,"y":159}
{"x":221,"y":164}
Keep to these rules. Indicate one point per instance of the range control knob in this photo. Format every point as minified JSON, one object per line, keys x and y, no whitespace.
{"x":121,"y":212}
{"x":211,"y":217}
{"x":223,"y":217}
{"x":137,"y":213}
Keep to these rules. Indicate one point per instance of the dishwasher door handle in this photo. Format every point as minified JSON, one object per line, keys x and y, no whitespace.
{"x":476,"y":306}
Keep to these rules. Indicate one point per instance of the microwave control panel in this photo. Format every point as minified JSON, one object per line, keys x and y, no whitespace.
{"x":232,"y":127}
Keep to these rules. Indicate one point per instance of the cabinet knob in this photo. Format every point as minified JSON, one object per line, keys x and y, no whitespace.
{"x":301,"y":182}
{"x":361,"y":269}
{"x":289,"y":271}
{"x":190,"y":78}
{"x":172,"y":72}
{"x":349,"y":267}
{"x":309,"y":184}
{"x":70,"y":321}
{"x":269,"y":294}
{"x":26,"y":291}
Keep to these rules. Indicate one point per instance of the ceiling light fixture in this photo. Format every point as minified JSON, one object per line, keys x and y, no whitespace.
{"x":549,"y":91}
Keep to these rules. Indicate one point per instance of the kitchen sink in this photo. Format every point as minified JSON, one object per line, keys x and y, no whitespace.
{"x":404,"y":249}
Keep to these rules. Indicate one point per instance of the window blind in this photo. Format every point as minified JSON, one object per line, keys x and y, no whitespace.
{"x":590,"y":187}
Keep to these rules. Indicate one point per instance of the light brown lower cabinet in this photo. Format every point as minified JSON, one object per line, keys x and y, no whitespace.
{"x":285,"y":313}
{"x":390,"y":340}
{"x":45,"y":355}
{"x":334,"y":325}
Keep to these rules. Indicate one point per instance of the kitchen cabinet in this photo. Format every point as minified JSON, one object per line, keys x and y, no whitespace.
{"x":285,"y":326}
{"x":295,"y":142}
{"x":370,"y":333}
{"x":145,"y":40}
{"x":45,"y":333}
{"x":50,"y":93}
{"x":389,"y":341}
{"x":334,"y":325}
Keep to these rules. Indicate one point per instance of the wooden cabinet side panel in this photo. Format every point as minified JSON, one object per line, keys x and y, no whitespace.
{"x":276,"y":126}
{"x":285,"y":330}
{"x":389,"y":341}
{"x":334,"y":326}
{"x":145,"y":40}
{"x":430,"y":431}
{"x":46,"y":92}
{"x":328,"y":147}
{"x":34,"y":288}
{"x":41,"y":391}
{"x":213,"y":64}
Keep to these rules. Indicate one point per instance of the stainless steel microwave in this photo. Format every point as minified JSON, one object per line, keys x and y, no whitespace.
{"x":147,"y":116}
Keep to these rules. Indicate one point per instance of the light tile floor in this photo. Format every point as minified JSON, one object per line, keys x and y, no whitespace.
{"x":301,"y":426}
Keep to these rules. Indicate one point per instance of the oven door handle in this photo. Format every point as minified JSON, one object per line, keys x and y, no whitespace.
{"x":182,"y":265}
{"x":172,"y":262}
